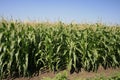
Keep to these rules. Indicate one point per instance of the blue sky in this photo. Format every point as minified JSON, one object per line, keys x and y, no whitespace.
{"x":91,"y":11}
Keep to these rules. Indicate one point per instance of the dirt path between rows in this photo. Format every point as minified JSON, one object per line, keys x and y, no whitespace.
{"x":82,"y":75}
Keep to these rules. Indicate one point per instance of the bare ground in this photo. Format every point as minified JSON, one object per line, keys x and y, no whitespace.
{"x":82,"y":75}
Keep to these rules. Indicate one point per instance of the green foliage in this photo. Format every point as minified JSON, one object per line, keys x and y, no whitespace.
{"x":28,"y":48}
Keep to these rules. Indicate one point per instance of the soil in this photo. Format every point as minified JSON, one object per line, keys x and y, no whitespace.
{"x":81,"y":75}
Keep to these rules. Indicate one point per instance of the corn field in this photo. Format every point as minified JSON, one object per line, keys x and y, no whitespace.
{"x":27,"y":48}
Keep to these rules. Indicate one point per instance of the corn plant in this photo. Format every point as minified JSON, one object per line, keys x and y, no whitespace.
{"x":27,"y":48}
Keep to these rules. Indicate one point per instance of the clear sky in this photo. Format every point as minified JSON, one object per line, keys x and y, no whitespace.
{"x":106,"y":11}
